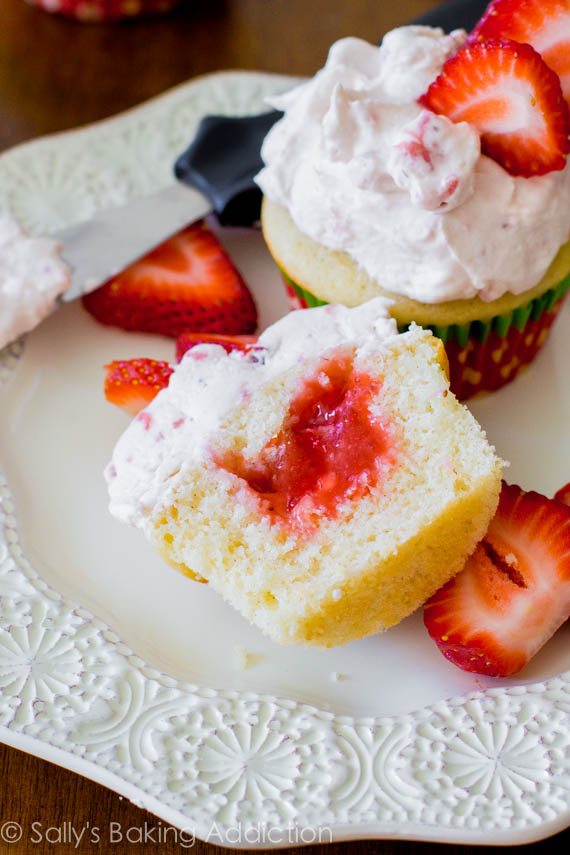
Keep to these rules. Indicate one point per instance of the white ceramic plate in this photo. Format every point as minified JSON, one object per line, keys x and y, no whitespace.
{"x":113,"y":665}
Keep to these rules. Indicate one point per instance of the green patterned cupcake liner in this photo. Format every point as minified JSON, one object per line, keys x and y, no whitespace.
{"x":483,"y":355}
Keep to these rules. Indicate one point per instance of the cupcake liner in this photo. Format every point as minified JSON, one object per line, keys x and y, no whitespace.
{"x":483,"y":355}
{"x":104,"y":10}
{"x":298,"y":297}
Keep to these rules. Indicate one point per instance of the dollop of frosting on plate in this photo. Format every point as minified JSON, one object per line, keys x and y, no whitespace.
{"x":363,"y":168}
{"x":32,"y":276}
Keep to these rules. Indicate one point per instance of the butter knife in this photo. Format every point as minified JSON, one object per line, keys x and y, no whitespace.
{"x":214,"y":174}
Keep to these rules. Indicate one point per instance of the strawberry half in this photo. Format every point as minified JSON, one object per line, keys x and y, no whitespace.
{"x":132,"y":383}
{"x":187,"y":283}
{"x":514,"y":591}
{"x":187,"y":341}
{"x":544,"y":24}
{"x":563,"y":495}
{"x":508,"y":93}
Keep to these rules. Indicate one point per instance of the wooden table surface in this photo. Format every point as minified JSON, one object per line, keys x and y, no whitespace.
{"x":56,"y":74}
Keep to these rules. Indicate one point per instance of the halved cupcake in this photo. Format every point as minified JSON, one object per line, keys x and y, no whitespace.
{"x":325,"y":482}
{"x":434,"y":173}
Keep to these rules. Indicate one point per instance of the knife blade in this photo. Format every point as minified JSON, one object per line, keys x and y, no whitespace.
{"x":214,"y":174}
{"x":98,"y":249}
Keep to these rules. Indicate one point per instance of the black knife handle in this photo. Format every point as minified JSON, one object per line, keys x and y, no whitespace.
{"x":222,"y":161}
{"x":454,"y":15}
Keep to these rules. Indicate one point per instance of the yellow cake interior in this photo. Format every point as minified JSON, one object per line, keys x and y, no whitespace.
{"x":380,"y":556}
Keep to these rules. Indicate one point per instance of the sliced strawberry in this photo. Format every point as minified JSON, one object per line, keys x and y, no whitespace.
{"x":514,"y":591}
{"x":187,"y":341}
{"x":132,"y":383}
{"x":544,"y":24}
{"x":187,"y":283}
{"x":513,"y":98}
{"x":563,"y":495}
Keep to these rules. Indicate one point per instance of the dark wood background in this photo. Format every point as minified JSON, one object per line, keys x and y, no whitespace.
{"x":56,"y":74}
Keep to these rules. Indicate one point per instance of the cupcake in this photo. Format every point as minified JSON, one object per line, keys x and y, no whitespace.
{"x":324,"y":482}
{"x":431,"y":171}
{"x":104,"y":10}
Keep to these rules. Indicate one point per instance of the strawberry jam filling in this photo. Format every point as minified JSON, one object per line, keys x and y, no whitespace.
{"x":330,"y":448}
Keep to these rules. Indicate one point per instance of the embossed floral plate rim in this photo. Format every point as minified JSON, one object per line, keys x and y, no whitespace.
{"x":491,"y":767}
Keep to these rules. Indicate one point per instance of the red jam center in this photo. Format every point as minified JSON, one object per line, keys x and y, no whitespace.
{"x":329,"y":449}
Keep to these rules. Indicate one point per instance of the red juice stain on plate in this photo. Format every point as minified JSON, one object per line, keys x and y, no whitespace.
{"x":330,"y":448}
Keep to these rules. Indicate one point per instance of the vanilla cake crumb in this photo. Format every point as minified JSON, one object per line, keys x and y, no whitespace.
{"x":377,"y":556}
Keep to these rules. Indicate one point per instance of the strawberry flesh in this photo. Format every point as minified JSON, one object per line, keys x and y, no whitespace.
{"x":508,"y":93}
{"x":187,"y":283}
{"x":330,"y":449}
{"x":563,"y":495}
{"x":544,"y":24}
{"x":514,"y":592}
{"x":187,"y":341}
{"x":132,"y":383}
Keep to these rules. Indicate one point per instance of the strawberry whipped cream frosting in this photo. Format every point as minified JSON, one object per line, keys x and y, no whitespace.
{"x":363,"y":168}
{"x":175,"y":431}
{"x":32,"y":276}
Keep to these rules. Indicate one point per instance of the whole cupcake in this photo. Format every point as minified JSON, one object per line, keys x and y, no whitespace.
{"x":431,"y":170}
